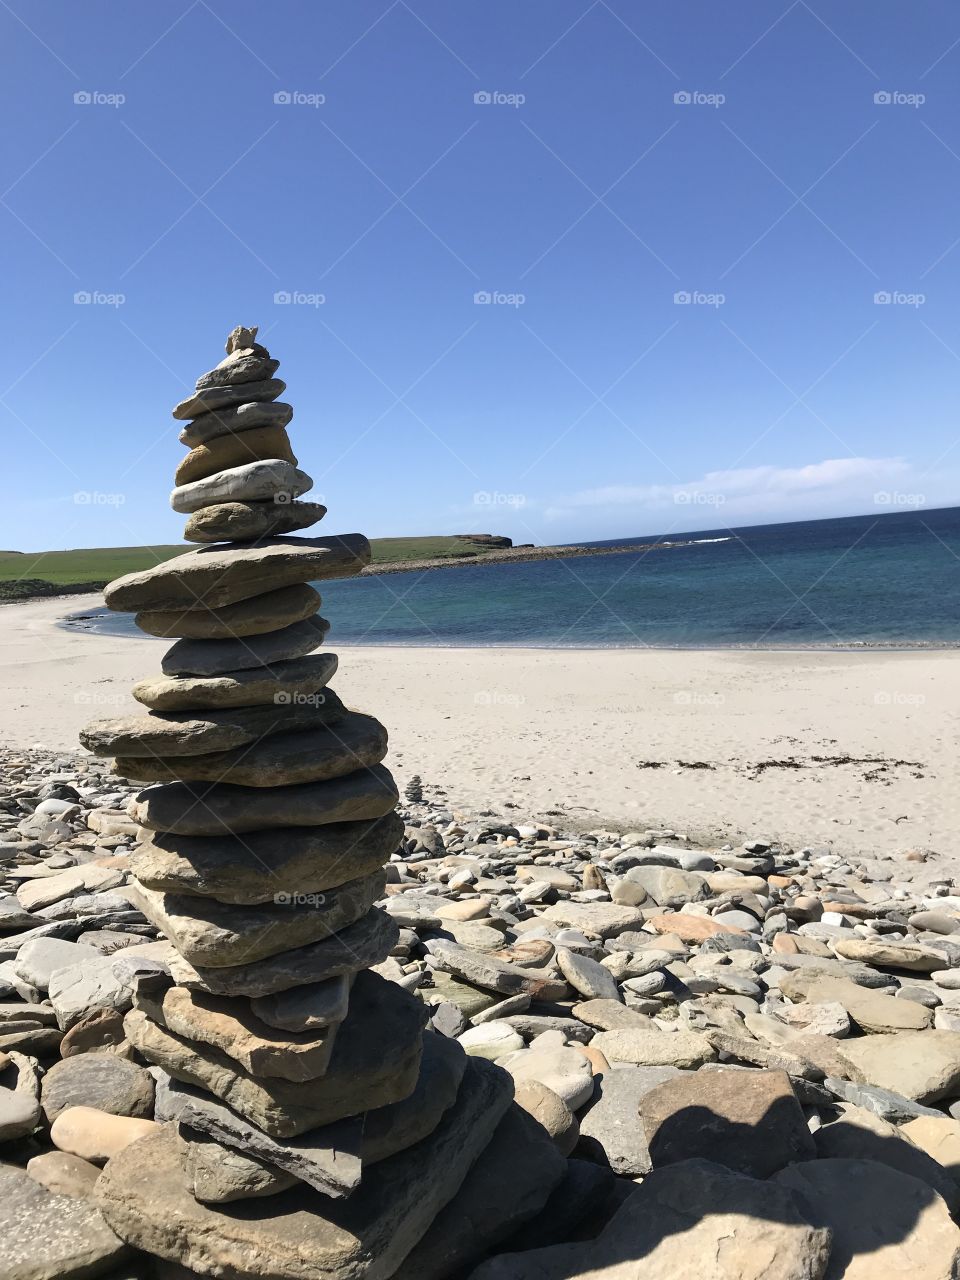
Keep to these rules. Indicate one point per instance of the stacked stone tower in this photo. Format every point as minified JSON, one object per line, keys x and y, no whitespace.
{"x":316,"y":1128}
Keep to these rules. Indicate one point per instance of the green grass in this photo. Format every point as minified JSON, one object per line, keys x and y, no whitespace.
{"x":30,"y":574}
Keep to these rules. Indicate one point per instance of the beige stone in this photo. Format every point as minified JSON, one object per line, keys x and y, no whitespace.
{"x":96,"y":1135}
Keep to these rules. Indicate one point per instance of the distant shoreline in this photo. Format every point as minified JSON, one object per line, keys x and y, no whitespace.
{"x":515,"y":555}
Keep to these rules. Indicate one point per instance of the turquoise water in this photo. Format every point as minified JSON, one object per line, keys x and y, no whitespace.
{"x":891,"y":580}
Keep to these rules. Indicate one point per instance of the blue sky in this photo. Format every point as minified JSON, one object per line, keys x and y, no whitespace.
{"x":681,"y":216}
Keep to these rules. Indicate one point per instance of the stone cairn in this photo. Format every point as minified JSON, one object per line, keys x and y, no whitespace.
{"x":316,"y":1128}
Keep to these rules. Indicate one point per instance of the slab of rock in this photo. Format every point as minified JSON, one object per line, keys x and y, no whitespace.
{"x":38,"y":959}
{"x":651,"y":1047}
{"x":249,"y":521}
{"x":884,"y":1223}
{"x":889,"y":955}
{"x":602,"y":919}
{"x":366,"y":943}
{"x":232,"y":1027}
{"x":278,"y":481}
{"x":262,"y":866}
{"x":63,"y":1174}
{"x":166,"y":733}
{"x":97,"y":982}
{"x":306,"y":1008}
{"x":221,"y":1175}
{"x":51,"y":1237}
{"x":223,"y":657}
{"x":19,"y":1114}
{"x":587,"y":976}
{"x":246,"y":365}
{"x":509,"y":1184}
{"x":285,"y":684}
{"x":100,"y":1080}
{"x":97,"y":1135}
{"x":608,"y":1015}
{"x":239,"y":418}
{"x":144,"y":1199}
{"x":225,"y":452}
{"x":870,"y":1010}
{"x":215,"y":576}
{"x":749,"y":1121}
{"x":355,"y":742}
{"x":690,"y":928}
{"x":367,"y":1069}
{"x":254,"y":617}
{"x":669,"y":887}
{"x":215,"y":809}
{"x":217,"y":934}
{"x":566,"y":1070}
{"x":693,"y":1219}
{"x":215,"y":399}
{"x":488,"y":972}
{"x":924,"y":1066}
{"x":610,"y":1128}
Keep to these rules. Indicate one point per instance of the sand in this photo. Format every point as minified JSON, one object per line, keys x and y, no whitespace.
{"x":863,"y":744}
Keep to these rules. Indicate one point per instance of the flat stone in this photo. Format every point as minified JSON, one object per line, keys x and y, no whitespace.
{"x":224,"y":657}
{"x":566,"y":1070}
{"x":491,"y":1040}
{"x":509,"y":1184}
{"x":749,"y":1121}
{"x":306,"y":1008}
{"x":249,"y":521}
{"x":550,"y":1111}
{"x":882,"y":1102}
{"x":217,"y":935}
{"x":63,"y":1174}
{"x":669,"y":887}
{"x":239,"y":367}
{"x":471,"y":1001}
{"x":602,"y":919}
{"x":486,"y":971}
{"x":870,"y":1010}
{"x":530,"y":1025}
{"x":354,"y":742}
{"x":249,"y":482}
{"x":694,"y":1220}
{"x":253,"y":617}
{"x":610,"y":1128}
{"x":95,"y":1031}
{"x":608,"y":1015}
{"x":97,"y":1135}
{"x":19,"y":1114}
{"x":265,"y":866}
{"x":888,"y":955}
{"x":690,"y":928}
{"x":99,"y":1080}
{"x":307,"y":1235}
{"x":225,"y":452}
{"x":97,"y":982}
{"x":38,"y":959}
{"x":51,"y":1237}
{"x":211,"y":810}
{"x":365,"y":943}
{"x":859,"y":1134}
{"x":285,"y":684}
{"x":238,"y":418}
{"x":654,"y":1048}
{"x":923,"y":1066}
{"x":587,"y":976}
{"x":232,"y":1027}
{"x":214,"y":399}
{"x":221,"y":1175}
{"x":884,"y":1223}
{"x":365,"y":1070}
{"x":212,"y":577}
{"x":939,"y":1137}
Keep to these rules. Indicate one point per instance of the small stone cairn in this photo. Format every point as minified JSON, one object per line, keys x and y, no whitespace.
{"x":317,"y":1128}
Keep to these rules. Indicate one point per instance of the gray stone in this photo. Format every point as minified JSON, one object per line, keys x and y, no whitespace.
{"x":492,"y":974}
{"x":94,"y":982}
{"x":369,"y":1234}
{"x":38,"y":959}
{"x":220,"y":1175}
{"x":216,"y":398}
{"x":254,"y":617}
{"x":19,"y":1114}
{"x":223,"y":657}
{"x":306,"y":1008}
{"x":250,"y":482}
{"x":51,"y":1237}
{"x":610,"y":1128}
{"x":586,"y":976}
{"x":212,"y":809}
{"x":239,"y":418}
{"x":354,"y":743}
{"x":285,"y":684}
{"x":651,"y":1047}
{"x":882,"y":1102}
{"x":211,"y":577}
{"x":263,"y":866}
{"x":246,"y":521}
{"x":63,"y":1174}
{"x":99,"y":1080}
{"x":239,"y":367}
{"x":923,"y":1066}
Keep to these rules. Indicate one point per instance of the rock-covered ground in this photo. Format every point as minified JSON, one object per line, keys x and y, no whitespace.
{"x":751,"y":1056}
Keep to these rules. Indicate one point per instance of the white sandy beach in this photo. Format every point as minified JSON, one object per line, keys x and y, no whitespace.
{"x":561,"y":734}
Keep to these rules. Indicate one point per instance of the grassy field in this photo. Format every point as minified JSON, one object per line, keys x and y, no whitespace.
{"x":28,"y":575}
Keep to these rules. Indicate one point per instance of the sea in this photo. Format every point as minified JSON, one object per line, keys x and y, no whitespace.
{"x":889,"y":580}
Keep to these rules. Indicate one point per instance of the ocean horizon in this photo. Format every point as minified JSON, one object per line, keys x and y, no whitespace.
{"x":878,"y":581}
